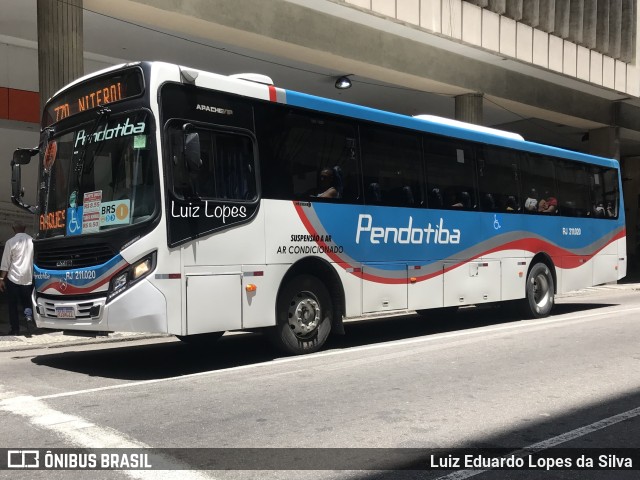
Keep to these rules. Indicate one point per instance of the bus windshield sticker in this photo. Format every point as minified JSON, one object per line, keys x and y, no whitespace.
{"x":140,"y":142}
{"x":115,"y":213}
{"x":50,"y":156}
{"x":91,"y":213}
{"x":74,"y":225}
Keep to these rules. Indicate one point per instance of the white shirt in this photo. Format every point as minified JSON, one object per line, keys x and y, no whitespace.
{"x":17,"y":259}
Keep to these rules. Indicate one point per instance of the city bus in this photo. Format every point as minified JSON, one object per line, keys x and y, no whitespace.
{"x":179,"y":201}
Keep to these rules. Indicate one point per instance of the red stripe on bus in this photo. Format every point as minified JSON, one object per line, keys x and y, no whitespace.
{"x":273,"y":97}
{"x":533,"y":245}
{"x":72,"y":289}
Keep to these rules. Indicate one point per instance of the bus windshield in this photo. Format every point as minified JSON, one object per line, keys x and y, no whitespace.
{"x":98,"y":176}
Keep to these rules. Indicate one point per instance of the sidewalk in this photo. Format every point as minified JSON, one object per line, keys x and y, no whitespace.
{"x":45,"y":338}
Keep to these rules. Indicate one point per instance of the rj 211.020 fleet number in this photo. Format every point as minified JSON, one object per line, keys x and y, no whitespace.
{"x":81,"y":275}
{"x":571,"y":231}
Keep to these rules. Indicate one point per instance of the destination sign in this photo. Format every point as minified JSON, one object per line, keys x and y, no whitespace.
{"x":93,"y":94}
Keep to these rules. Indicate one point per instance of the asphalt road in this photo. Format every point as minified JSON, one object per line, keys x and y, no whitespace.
{"x":478,"y":379}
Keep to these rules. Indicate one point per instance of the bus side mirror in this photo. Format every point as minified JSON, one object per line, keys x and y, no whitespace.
{"x":17,"y":192}
{"x":16,"y":180}
{"x":22,"y":156}
{"x":192,"y":158}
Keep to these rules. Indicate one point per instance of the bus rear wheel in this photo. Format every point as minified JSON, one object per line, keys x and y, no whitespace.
{"x":539,"y":292}
{"x":303,"y":316}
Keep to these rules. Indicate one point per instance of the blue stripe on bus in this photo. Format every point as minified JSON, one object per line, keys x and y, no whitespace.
{"x":365,"y":113}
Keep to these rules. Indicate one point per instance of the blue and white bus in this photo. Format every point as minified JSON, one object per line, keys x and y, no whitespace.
{"x":180,"y":201}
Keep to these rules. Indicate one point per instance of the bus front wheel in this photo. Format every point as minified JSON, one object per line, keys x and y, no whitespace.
{"x":304,"y":314}
{"x":539,"y":290}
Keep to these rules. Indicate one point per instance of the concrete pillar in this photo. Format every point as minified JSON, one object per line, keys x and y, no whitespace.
{"x":60,"y":45}
{"x":605,"y":142}
{"x":628,"y":33}
{"x":547,"y":15}
{"x":602,"y":31}
{"x":615,"y":29}
{"x":469,"y":108}
{"x":531,"y":13}
{"x":589,"y":23}
{"x":498,"y":6}
{"x":576,"y":21}
{"x":514,"y":9}
{"x":561,"y":28}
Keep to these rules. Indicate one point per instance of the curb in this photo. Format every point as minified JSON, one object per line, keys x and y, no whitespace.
{"x":58,"y":340}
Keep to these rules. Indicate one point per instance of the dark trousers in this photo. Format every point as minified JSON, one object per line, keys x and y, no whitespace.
{"x":17,"y":294}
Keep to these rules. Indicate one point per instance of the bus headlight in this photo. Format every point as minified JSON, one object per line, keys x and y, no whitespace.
{"x":131,"y":275}
{"x":141,"y":268}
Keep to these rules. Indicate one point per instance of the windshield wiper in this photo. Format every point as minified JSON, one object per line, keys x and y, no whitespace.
{"x":103,"y":112}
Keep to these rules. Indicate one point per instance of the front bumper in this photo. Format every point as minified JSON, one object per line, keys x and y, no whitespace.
{"x":142,"y":308}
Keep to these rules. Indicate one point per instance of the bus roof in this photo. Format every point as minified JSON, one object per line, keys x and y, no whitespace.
{"x":424,"y":123}
{"x":430,"y":124}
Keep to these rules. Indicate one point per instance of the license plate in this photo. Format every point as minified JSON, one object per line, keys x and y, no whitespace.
{"x":65,"y":312}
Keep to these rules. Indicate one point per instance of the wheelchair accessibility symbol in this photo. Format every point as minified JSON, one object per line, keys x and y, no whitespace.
{"x":74,"y":221}
{"x":496,"y":223}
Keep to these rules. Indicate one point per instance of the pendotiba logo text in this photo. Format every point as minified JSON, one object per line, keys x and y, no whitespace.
{"x":116,"y":131}
{"x":416,"y":235}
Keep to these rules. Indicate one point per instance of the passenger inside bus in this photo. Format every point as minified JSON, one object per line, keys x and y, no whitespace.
{"x":548,"y":204}
{"x":488,"y":203}
{"x":462,"y":200}
{"x":531,"y":203}
{"x":511,"y":204}
{"x":330,"y":183}
{"x":374,"y":194}
{"x":435,"y":198}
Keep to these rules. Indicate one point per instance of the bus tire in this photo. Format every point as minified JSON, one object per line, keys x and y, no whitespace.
{"x":539,"y":292}
{"x":201,"y":339}
{"x":304,"y":313}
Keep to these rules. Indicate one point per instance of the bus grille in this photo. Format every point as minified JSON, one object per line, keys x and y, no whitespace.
{"x":76,"y":256}
{"x":82,"y":312}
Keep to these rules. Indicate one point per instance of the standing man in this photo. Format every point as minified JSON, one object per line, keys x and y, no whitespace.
{"x":16,"y":275}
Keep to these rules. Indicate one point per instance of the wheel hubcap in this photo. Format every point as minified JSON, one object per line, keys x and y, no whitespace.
{"x":541,"y":291}
{"x":304,"y":314}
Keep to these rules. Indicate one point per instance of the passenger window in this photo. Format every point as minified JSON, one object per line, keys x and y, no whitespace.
{"x":307,"y":156}
{"x":539,"y":184}
{"x":450,"y":174}
{"x":604,"y":192}
{"x":573,"y":185}
{"x":498,"y":179}
{"x":392,"y":166}
{"x":227,"y":171}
